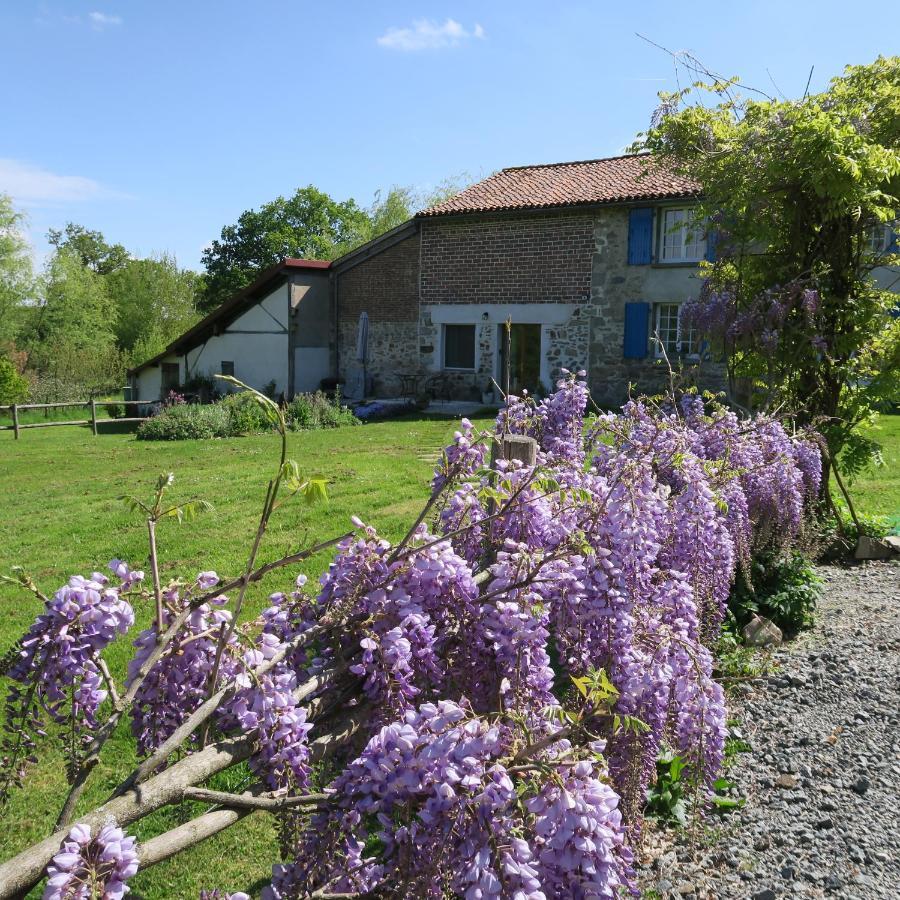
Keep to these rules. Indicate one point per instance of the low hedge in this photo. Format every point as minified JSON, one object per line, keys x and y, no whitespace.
{"x":239,"y":414}
{"x":186,"y":421}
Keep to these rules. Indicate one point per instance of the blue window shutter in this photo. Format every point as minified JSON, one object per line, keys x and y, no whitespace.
{"x":637,"y":322}
{"x":712,"y":241}
{"x":893,"y":235}
{"x":640,"y":236}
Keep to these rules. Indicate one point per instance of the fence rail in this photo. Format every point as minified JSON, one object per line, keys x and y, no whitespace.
{"x":16,"y":408}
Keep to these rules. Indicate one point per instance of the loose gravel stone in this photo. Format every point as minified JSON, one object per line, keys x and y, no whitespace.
{"x":822,"y":777}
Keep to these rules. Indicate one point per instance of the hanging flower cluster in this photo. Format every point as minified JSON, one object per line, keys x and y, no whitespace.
{"x":92,"y":868}
{"x":179,"y":681}
{"x":57,"y":672}
{"x":447,"y":814}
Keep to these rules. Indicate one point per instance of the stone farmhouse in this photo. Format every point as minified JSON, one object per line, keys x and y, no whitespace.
{"x":588,"y":260}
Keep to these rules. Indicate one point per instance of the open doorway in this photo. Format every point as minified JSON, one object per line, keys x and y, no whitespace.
{"x":524,"y":358}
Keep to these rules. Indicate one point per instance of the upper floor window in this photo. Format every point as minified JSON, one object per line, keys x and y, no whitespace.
{"x":878,"y":238}
{"x":683,"y":237}
{"x":673,"y":339}
{"x":459,"y":347}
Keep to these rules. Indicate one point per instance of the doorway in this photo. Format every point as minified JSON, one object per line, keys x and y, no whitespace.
{"x":524,"y":358}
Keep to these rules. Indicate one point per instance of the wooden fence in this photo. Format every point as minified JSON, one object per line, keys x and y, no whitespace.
{"x":16,"y":408}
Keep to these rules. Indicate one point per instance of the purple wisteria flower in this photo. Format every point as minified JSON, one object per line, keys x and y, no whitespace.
{"x":92,"y":868}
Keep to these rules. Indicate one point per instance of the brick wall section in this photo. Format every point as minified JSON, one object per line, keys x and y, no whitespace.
{"x":533,"y":259}
{"x":386,"y":286}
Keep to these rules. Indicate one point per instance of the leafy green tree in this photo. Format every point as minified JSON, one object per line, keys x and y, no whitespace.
{"x":308,"y":224}
{"x":155,"y":301}
{"x":400,"y":204}
{"x":76,"y":313}
{"x":95,"y":253}
{"x":16,"y":279}
{"x":801,"y":194}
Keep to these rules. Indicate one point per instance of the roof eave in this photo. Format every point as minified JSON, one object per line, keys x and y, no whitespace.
{"x":266,"y":279}
{"x":561,"y":207}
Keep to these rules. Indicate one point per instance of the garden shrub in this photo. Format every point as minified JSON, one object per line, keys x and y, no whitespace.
{"x":782,"y":588}
{"x":13,"y":387}
{"x":247,"y":416}
{"x":187,"y":421}
{"x":318,"y":410}
{"x":238,"y":414}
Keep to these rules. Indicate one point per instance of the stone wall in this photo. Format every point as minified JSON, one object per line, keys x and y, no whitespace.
{"x":393,"y":353}
{"x":615,"y":283}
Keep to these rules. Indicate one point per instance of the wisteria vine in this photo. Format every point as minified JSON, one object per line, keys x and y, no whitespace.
{"x":507,"y":674}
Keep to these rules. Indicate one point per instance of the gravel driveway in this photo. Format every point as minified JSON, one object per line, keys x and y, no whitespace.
{"x":822,"y":780}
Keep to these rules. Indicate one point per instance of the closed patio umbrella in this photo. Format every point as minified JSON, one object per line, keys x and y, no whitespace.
{"x":362,"y":338}
{"x":359,"y":390}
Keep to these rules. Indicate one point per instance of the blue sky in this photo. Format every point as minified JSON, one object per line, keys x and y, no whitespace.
{"x":160,"y":122}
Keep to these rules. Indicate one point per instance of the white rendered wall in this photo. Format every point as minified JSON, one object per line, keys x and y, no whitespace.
{"x":253,"y":343}
{"x":149,"y":380}
{"x":311,"y":365}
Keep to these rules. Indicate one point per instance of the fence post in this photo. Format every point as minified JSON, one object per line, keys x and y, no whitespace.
{"x":15,"y":412}
{"x":94,"y":416}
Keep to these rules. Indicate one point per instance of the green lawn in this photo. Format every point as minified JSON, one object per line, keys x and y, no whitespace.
{"x":877,"y":491}
{"x":60,"y":515}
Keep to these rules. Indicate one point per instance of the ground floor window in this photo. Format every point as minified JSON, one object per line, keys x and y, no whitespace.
{"x":673,"y":340}
{"x":170,"y":377}
{"x":459,"y":347}
{"x":228,"y":367}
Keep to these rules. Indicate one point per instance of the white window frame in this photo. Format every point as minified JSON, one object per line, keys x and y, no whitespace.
{"x":878,"y":239}
{"x":680,"y":351}
{"x":474,"y":327}
{"x":673,"y":244}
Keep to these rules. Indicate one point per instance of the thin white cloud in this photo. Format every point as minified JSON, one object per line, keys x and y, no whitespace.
{"x":30,"y":185}
{"x":426,"y":34}
{"x":100,"y":20}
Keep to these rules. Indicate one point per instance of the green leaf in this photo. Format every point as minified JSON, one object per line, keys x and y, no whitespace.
{"x":315,"y":490}
{"x":582,"y":684}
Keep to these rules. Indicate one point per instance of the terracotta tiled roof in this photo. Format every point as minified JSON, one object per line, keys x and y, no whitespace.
{"x":619,"y":179}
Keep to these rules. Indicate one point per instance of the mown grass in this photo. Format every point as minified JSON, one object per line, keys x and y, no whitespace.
{"x":60,"y":515}
{"x":877,"y":490}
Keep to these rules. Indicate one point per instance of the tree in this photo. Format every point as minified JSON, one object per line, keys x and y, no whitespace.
{"x":155,"y":301}
{"x":76,"y":307}
{"x":308,"y":224}
{"x":91,"y":246}
{"x":799,"y":193}
{"x":400,"y":204}
{"x":16,"y":280}
{"x":70,"y":335}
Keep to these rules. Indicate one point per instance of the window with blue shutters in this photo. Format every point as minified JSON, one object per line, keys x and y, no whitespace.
{"x":682,"y":238}
{"x":640,"y":236}
{"x":637,"y":325}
